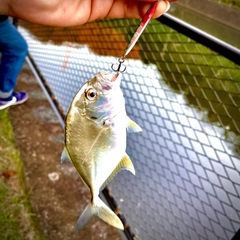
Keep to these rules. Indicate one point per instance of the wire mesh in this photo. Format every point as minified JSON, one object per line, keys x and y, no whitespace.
{"x":185,"y":97}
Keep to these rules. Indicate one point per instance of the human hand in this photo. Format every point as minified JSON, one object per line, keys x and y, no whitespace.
{"x":77,"y":12}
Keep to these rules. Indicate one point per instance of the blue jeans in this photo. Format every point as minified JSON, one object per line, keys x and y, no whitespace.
{"x":13,"y":49}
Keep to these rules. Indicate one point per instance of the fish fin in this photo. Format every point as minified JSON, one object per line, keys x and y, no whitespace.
{"x":124,"y":164}
{"x":85,"y":217}
{"x":101,"y":210}
{"x":64,"y":156}
{"x":132,"y":126}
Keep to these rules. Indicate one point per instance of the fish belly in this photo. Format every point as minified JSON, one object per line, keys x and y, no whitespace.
{"x":95,"y":151}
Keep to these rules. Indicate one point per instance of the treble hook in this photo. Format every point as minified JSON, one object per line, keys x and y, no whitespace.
{"x":121,"y":61}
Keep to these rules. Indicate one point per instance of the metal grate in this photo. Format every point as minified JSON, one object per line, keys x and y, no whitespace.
{"x":186,"y":97}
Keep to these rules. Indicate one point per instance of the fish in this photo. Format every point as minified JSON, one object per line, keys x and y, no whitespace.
{"x":96,"y":128}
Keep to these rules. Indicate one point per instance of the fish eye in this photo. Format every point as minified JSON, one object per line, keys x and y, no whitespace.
{"x":91,"y":94}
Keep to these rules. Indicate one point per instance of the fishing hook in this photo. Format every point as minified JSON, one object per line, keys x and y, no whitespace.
{"x":120,"y":65}
{"x":135,"y":37}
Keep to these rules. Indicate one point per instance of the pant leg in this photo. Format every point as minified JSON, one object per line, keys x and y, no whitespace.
{"x":14,"y":49}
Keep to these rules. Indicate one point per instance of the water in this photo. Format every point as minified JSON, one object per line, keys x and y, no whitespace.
{"x":224,"y":27}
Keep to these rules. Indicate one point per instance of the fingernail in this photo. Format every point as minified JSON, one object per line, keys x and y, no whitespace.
{"x":168,"y":6}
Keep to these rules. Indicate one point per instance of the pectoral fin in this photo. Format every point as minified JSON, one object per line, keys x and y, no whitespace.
{"x":124,"y":164}
{"x":132,"y":126}
{"x":64,"y":156}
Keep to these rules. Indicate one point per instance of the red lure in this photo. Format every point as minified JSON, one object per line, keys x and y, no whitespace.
{"x":147,"y":17}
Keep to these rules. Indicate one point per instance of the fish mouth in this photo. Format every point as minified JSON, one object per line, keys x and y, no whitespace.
{"x":115,"y":77}
{"x":108,"y":80}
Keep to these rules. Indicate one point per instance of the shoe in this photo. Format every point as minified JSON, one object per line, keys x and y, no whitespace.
{"x":14,"y":99}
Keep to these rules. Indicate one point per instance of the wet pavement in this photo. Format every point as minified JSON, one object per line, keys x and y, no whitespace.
{"x":57,"y":194}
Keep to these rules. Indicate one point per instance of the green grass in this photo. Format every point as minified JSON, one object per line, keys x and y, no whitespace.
{"x":16,"y":220}
{"x":9,"y":227}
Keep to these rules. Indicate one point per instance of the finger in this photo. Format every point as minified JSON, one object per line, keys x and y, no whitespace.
{"x":162,"y":7}
{"x":136,"y":9}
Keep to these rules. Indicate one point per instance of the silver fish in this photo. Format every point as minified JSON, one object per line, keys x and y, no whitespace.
{"x":95,"y":140}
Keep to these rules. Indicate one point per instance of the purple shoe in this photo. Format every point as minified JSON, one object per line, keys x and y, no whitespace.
{"x":14,"y":99}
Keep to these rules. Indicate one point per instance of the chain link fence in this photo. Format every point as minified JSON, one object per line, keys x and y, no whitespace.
{"x":185,"y":96}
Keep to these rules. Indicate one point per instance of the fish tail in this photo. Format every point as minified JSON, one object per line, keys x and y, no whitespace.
{"x":101,"y":210}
